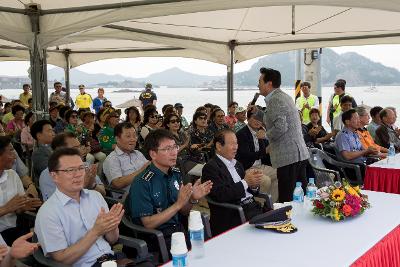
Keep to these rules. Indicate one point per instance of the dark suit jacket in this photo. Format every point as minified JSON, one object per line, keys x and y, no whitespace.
{"x":246,"y":151}
{"x":224,"y":190}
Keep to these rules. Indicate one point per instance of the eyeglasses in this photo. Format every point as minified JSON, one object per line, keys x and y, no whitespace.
{"x":169,"y":149}
{"x":174,"y":121}
{"x":202,"y":118}
{"x":72,"y":171}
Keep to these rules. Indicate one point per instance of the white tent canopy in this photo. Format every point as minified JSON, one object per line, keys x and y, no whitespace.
{"x":100,"y":29}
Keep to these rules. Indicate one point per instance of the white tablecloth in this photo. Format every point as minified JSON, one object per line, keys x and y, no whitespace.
{"x":385,"y":165}
{"x":318,"y":241}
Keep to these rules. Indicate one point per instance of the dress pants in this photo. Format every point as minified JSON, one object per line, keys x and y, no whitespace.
{"x":288,"y":176}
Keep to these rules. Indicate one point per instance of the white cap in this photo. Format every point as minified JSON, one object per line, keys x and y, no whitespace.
{"x":178,"y":243}
{"x":195,"y":222}
{"x":109,"y":264}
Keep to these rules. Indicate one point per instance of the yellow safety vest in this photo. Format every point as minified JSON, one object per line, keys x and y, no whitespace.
{"x":83,"y":101}
{"x":306,"y":112}
{"x":336,"y":101}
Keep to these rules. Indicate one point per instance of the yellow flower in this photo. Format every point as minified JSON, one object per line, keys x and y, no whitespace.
{"x":352,"y":191}
{"x":357,"y":188}
{"x":338,"y":195}
{"x":336,"y":216}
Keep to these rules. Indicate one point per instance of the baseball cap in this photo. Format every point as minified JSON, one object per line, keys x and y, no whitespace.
{"x":178,"y":105}
{"x":239,"y":110}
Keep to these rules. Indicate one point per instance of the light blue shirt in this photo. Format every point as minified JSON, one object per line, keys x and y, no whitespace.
{"x":119,"y":164}
{"x":47,"y":185}
{"x":347,"y":140}
{"x":61,"y":222}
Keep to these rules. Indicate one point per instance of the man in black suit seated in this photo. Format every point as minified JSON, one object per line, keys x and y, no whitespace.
{"x":252,"y":152}
{"x":231,"y":184}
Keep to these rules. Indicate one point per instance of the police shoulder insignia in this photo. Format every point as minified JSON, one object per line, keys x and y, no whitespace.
{"x":175,"y":169}
{"x":148,"y":175}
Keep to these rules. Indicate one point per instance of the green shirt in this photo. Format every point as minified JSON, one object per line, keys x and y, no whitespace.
{"x":152,"y":192}
{"x":106,"y":138}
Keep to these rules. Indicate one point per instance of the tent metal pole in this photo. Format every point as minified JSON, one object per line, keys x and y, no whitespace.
{"x":230,"y":69}
{"x":38,"y":70}
{"x":66,"y":73}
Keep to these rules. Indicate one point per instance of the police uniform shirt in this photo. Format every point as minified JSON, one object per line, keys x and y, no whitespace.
{"x":153,"y":192}
{"x":147,"y":97}
{"x":83,"y":100}
{"x":10,"y":186}
{"x":62,"y":221}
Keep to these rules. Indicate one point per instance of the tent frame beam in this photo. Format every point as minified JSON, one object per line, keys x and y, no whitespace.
{"x":229,"y":75}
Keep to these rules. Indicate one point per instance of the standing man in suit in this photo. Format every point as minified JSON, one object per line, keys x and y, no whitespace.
{"x":252,"y":152}
{"x":288,"y":150}
{"x":231,"y":184}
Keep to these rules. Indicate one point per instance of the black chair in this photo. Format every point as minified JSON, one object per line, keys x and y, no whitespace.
{"x":238,"y":209}
{"x":139,"y":245}
{"x":321,"y":161}
{"x":136,"y":230}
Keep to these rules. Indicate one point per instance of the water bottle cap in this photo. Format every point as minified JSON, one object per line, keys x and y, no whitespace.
{"x":311,"y":180}
{"x":298,"y":184}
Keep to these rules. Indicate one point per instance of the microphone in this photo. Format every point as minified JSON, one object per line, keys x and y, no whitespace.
{"x":253,"y":102}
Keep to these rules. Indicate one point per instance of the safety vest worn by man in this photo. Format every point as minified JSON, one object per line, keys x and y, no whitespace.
{"x":312,"y":101}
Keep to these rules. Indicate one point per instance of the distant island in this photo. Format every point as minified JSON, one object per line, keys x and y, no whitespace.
{"x":127,"y":91}
{"x":357,"y":70}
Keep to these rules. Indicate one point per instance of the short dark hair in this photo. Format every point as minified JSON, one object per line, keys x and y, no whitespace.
{"x":232,"y":103}
{"x":135,"y":110}
{"x":214,"y":113}
{"x":383,"y":113}
{"x":26,"y":85}
{"x":62,"y":111}
{"x":118,"y":129}
{"x":167,"y":120}
{"x":198,"y":114}
{"x":4,"y":142}
{"x":54,"y":160}
{"x":37,"y":127}
{"x":56,"y":83}
{"x":28,"y":117}
{"x":6,"y":105}
{"x":164,"y":108}
{"x":201,"y":109}
{"x":147,"y":113}
{"x":69,"y":113}
{"x":305,"y":84}
{"x":314,"y":110}
{"x":17,"y":108}
{"x":209,"y":105}
{"x":341,"y":83}
{"x":153,"y":139}
{"x":347,"y":115}
{"x":271,"y":75}
{"x":219,"y":136}
{"x":60,"y":140}
{"x":346,"y":99}
{"x":375,"y":111}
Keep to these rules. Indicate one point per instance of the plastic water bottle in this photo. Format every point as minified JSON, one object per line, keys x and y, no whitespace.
{"x":391,"y":154}
{"x":298,"y":199}
{"x":179,"y":250}
{"x":311,"y":190}
{"x":196,"y":232}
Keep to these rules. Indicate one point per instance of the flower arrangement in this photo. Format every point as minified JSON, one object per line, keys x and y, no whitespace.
{"x":340,"y":201}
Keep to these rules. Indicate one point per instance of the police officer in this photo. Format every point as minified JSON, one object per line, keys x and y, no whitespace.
{"x":148,"y":97}
{"x":157,"y":196}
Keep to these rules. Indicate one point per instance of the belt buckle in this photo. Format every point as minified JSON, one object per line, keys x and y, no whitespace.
{"x":104,"y":258}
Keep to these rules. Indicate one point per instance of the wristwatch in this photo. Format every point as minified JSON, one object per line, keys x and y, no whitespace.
{"x":194,"y":201}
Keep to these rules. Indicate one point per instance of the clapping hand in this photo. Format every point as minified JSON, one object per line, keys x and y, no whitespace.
{"x":109,"y":221}
{"x":90,"y":175}
{"x":32,"y":203}
{"x":201,"y":190}
{"x":21,"y":248}
{"x":3,"y":252}
{"x":185,"y":192}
